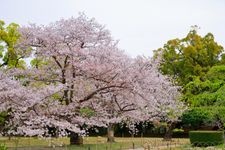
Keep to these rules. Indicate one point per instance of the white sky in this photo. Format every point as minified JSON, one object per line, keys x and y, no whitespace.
{"x":140,"y":25}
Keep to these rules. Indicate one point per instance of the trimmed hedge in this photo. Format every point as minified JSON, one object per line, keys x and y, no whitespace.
{"x":206,"y":138}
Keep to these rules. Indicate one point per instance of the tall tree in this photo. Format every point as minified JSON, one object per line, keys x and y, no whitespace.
{"x":79,"y":57}
{"x":196,"y":63}
{"x":191,"y":56}
{"x":10,"y":56}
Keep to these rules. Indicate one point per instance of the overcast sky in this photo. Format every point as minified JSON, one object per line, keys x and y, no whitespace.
{"x":140,"y":25}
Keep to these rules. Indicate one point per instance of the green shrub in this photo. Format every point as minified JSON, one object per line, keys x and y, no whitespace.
{"x":206,"y":138}
{"x":3,"y":147}
{"x":198,"y":117}
{"x":176,"y":130}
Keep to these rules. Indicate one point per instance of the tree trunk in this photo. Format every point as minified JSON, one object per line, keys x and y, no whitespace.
{"x":75,"y":139}
{"x":72,"y":86}
{"x":169,"y":132}
{"x":110,"y":132}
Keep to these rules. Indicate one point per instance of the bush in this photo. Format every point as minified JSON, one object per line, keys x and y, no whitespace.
{"x":3,"y":147}
{"x":196,"y":117}
{"x":206,"y":138}
{"x":176,"y":130}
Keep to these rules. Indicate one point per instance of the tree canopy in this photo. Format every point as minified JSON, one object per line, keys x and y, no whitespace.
{"x":78,"y":79}
{"x":190,"y":57}
{"x":208,"y":91}
{"x":197,"y":64}
{"x":10,"y":55}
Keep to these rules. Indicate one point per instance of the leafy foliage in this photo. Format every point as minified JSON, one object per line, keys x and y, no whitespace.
{"x":3,"y":116}
{"x":192,"y":56}
{"x":3,"y":147}
{"x":9,"y":54}
{"x":87,"y":112}
{"x":196,"y":117}
{"x":196,"y":63}
{"x":200,"y":117}
{"x":207,"y":92}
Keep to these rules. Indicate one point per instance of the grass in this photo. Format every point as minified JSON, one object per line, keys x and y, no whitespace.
{"x":189,"y":147}
{"x":90,"y":143}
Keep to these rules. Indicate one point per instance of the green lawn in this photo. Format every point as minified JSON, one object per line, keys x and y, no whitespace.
{"x":90,"y":143}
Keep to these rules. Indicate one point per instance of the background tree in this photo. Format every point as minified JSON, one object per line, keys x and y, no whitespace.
{"x":208,"y":95}
{"x":11,"y":56}
{"x":190,"y":57}
{"x":196,"y":63}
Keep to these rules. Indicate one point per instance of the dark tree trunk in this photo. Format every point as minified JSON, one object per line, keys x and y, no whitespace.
{"x":72,"y":86}
{"x":169,"y":132}
{"x":110,"y":133}
{"x":66,"y":91}
{"x":75,"y":139}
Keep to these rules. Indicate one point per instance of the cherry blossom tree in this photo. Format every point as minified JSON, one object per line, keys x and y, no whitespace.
{"x":80,"y":54}
{"x":78,"y":79}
